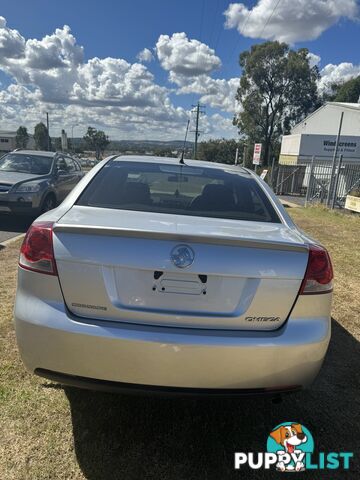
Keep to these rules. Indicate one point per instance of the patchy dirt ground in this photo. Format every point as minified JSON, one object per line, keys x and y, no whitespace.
{"x":48,"y":432}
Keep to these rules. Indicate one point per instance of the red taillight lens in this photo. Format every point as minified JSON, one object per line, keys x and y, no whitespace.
{"x":319,"y":272}
{"x":37,"y":252}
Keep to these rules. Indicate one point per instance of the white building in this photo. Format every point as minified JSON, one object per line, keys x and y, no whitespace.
{"x":316,"y":135}
{"x":8,"y":141}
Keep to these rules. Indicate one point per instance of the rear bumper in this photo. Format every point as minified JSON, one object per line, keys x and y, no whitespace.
{"x":50,"y":338}
{"x":184,"y":358}
{"x":137,"y":389}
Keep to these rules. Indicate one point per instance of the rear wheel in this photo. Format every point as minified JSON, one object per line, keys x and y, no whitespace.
{"x":49,"y":203}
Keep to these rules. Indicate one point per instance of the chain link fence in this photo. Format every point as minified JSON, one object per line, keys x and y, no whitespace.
{"x":316,"y":180}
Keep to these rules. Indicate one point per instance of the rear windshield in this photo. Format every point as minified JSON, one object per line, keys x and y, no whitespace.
{"x":24,"y":163}
{"x":179,"y":190}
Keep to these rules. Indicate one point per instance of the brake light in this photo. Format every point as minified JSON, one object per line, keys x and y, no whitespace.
{"x":37,"y":253}
{"x":319,"y":272}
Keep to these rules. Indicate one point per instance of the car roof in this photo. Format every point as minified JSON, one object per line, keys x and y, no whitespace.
{"x":40,"y":153}
{"x":176,"y":161}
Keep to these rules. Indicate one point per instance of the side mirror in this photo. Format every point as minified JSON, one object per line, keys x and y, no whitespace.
{"x":60,"y":172}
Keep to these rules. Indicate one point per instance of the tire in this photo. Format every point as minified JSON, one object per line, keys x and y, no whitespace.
{"x":48,"y":203}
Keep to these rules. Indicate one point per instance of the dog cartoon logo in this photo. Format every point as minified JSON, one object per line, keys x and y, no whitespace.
{"x":290,"y":441}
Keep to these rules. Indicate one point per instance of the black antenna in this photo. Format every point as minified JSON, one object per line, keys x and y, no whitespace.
{"x":183,"y":150}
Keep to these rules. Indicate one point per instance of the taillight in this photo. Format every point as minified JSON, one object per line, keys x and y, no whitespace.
{"x":319,"y":272}
{"x":37,"y":253}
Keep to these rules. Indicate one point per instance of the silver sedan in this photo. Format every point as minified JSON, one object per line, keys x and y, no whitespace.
{"x":158,"y":275}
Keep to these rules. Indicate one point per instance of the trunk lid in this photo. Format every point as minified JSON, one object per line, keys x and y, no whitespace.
{"x":117,"y":265}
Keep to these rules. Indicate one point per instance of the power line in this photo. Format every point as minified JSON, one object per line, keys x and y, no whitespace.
{"x":245,"y":23}
{"x":200,"y":38}
{"x":239,"y":39}
{"x":220,"y":31}
{"x":270,"y":17}
{"x":212,"y":30}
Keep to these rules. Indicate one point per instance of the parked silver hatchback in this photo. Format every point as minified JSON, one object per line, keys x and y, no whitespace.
{"x":156,"y":275}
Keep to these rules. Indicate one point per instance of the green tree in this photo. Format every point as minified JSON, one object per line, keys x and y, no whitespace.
{"x":96,"y":140}
{"x":219,"y":150}
{"x":277,"y":89}
{"x":349,"y":91}
{"x":22,"y":137}
{"x":41,"y":137}
{"x":330,"y":93}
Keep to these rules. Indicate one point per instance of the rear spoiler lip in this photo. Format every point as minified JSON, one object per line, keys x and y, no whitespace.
{"x":178,"y":237}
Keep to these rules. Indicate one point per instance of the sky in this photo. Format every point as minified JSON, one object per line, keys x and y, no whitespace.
{"x":134,"y":68}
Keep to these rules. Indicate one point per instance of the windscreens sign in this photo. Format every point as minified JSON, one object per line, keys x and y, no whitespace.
{"x":324,"y":146}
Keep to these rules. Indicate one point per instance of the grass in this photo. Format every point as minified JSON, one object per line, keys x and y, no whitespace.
{"x":48,"y":432}
{"x":35,"y":424}
{"x":340,"y":233}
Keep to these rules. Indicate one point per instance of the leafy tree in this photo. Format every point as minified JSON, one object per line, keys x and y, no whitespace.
{"x":96,"y":140}
{"x":330,"y":93}
{"x":41,"y":137}
{"x":220,"y":150}
{"x":22,"y":137}
{"x":277,"y":89}
{"x":349,"y":91}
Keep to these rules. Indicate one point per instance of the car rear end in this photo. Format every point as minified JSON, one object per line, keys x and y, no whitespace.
{"x":120,"y":291}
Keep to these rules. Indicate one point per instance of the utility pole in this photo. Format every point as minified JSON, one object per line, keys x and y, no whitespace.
{"x":48,"y":133}
{"x":331,"y":183}
{"x":196,"y":129}
{"x":199,"y":110}
{"x":236,"y":156}
{"x":334,"y":198}
{"x":72,"y":136}
{"x":244,"y":155}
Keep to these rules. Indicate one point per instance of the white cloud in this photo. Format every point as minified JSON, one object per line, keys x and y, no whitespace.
{"x":50,"y":74}
{"x":58,"y":50}
{"x":288,"y":20}
{"x":12,"y":44}
{"x":337,"y":74}
{"x":50,"y":64}
{"x":221,"y":94}
{"x":113,"y":81}
{"x":219,"y":126}
{"x":186,"y":57}
{"x":54,"y":68}
{"x":21,"y":105}
{"x":313,"y":59}
{"x":145,"y":55}
{"x":215,"y":92}
{"x":190,"y":64}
